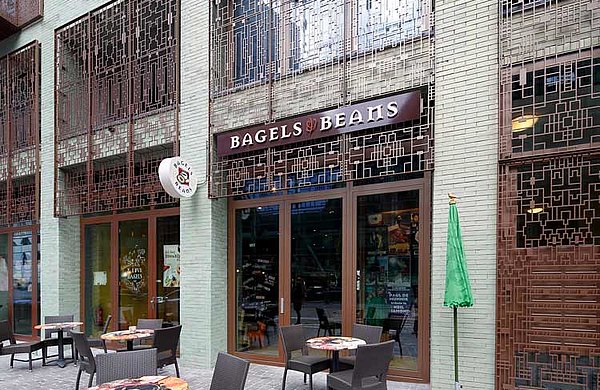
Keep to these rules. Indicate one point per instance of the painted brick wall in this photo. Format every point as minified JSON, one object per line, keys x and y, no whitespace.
{"x":466,"y":134}
{"x":203,"y":221}
{"x":59,"y":248}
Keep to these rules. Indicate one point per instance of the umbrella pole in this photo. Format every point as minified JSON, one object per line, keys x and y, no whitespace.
{"x":456,"y":384}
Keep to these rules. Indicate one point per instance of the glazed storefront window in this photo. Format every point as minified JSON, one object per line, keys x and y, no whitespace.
{"x":4,"y":277}
{"x":98,"y":298}
{"x":388,"y":270}
{"x":22,"y":278}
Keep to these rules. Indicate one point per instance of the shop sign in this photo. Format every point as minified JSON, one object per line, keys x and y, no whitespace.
{"x":177,"y":177}
{"x":367,"y":115}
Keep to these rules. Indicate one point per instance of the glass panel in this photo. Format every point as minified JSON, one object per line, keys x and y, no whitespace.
{"x":316,"y":259}
{"x":133,"y":272}
{"x":3,"y":277}
{"x":257,"y":279}
{"x":388,"y":270}
{"x":98,"y":298}
{"x":22,"y":282}
{"x":168,"y":271}
{"x":39,"y":279}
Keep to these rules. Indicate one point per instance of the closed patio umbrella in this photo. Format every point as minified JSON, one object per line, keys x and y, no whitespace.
{"x":458,"y":288}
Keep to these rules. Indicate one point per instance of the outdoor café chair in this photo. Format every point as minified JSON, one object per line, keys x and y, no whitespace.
{"x":13,"y":348}
{"x":147,"y":323}
{"x":87,"y":363}
{"x":99,"y":343}
{"x":371,"y":334}
{"x":293,"y":340}
{"x":125,"y":365}
{"x":325,"y":324}
{"x":230,"y":373}
{"x":370,"y":369}
{"x":165,"y":342}
{"x":50,"y":341}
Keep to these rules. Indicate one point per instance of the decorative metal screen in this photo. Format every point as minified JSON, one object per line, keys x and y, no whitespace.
{"x":19,"y":13}
{"x":116,"y":106}
{"x":19,"y":136}
{"x":548,"y":302}
{"x":274,"y":59}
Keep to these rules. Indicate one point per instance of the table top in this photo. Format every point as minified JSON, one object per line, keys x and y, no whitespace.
{"x":335,"y":343}
{"x":121,"y":335}
{"x":145,"y":383}
{"x":58,"y":326}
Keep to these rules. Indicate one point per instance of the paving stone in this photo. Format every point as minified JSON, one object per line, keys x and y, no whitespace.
{"x":259,"y":377}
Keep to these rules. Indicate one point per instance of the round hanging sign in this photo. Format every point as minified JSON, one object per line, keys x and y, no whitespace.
{"x":177,"y":177}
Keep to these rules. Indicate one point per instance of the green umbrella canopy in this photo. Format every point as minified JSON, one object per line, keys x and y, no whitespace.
{"x":458,"y":288}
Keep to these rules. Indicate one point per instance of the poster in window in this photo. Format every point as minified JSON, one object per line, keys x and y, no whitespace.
{"x":171,"y":269}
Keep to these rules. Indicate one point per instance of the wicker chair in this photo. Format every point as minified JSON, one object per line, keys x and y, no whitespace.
{"x":132,"y":364}
{"x":165,"y":342}
{"x":147,"y":323}
{"x":371,"y":334}
{"x":99,"y":343}
{"x":13,"y":348}
{"x":370,"y":369}
{"x":87,"y":363}
{"x":230,"y":373}
{"x":293,"y":340}
{"x":50,"y":341}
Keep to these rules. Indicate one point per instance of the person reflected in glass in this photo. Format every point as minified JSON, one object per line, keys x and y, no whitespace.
{"x":298,"y":297}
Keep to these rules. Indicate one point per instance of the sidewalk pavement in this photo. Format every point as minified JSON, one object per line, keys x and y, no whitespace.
{"x":260,"y":377}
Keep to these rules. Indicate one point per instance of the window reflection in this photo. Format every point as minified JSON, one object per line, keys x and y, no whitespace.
{"x":388,"y":270}
{"x":22,"y":282}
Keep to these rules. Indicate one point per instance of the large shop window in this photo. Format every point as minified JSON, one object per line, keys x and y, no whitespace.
{"x":274,"y":38}
{"x":19,"y":279}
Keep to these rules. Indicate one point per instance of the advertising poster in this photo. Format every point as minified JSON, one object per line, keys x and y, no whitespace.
{"x":171,"y":270}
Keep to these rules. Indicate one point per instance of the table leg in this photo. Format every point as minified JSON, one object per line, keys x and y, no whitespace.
{"x":335,"y":361}
{"x":130,"y":345}
{"x":61,"y":350}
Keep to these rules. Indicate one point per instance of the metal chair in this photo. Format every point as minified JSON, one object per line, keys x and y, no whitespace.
{"x":293,"y":340}
{"x":50,"y":341}
{"x":325,"y":324}
{"x":13,"y":348}
{"x":132,"y":364}
{"x":165,"y":342}
{"x":371,"y":334}
{"x":87,"y":363}
{"x":97,"y":342}
{"x":230,"y":373}
{"x":395,"y":323}
{"x":370,"y":369}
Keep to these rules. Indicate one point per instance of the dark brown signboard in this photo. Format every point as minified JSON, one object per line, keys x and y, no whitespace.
{"x":374,"y":113}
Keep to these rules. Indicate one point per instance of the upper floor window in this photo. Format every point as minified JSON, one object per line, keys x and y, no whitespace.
{"x":257,"y":40}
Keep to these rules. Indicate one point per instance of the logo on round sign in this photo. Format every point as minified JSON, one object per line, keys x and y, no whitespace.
{"x":177,"y":177}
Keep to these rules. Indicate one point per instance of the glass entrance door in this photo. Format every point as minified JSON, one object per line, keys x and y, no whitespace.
{"x":257,"y":252}
{"x":133,"y":272}
{"x":131,"y":265}
{"x":316,"y":266}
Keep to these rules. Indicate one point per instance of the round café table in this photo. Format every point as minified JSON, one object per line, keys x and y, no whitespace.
{"x":145,"y":383}
{"x":335,"y":344}
{"x":60,"y":327}
{"x":128,"y":336}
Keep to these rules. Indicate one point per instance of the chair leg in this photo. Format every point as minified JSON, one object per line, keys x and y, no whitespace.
{"x":310,"y":382}
{"x":12,"y":359}
{"x":43,"y":357}
{"x":78,"y":379}
{"x":91,"y":381}
{"x":104,"y":346}
{"x":177,"y":368}
{"x":304,"y":378}
{"x":30,"y":362}
{"x":284,"y":376}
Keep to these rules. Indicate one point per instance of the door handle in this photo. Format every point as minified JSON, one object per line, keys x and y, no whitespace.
{"x":281,"y":306}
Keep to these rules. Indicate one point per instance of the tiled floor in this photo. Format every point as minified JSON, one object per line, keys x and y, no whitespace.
{"x":259,"y":377}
